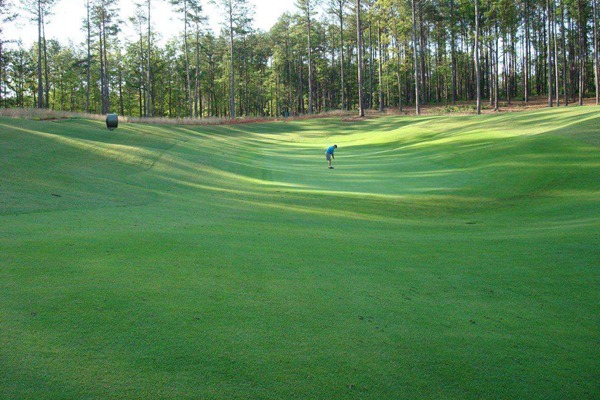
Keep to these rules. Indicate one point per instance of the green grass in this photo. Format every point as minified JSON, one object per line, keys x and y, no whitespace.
{"x":444,"y":258}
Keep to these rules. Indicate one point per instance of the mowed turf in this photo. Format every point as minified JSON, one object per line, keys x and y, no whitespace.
{"x":443,"y":258}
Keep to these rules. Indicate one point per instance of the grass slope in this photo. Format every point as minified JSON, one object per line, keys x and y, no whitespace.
{"x":444,"y":257}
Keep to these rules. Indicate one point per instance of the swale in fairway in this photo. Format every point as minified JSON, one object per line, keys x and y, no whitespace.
{"x":329,"y":155}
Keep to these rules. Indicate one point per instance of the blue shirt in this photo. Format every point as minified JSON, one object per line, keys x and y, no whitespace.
{"x":330,"y":149}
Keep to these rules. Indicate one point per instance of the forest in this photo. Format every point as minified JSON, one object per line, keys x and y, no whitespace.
{"x":328,"y":55}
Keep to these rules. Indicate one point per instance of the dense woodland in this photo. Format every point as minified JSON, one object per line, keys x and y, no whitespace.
{"x":325,"y":56}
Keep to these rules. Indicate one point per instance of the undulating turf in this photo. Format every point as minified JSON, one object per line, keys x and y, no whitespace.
{"x":443,"y":258}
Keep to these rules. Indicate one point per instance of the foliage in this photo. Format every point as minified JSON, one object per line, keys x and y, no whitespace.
{"x":270,"y":70}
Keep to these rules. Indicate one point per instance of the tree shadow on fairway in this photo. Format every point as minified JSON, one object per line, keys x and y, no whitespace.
{"x":586,"y":130}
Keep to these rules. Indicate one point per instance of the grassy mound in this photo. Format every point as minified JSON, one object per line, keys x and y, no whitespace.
{"x":444,"y":257}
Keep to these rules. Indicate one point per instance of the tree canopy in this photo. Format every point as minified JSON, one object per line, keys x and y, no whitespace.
{"x":412,"y":52}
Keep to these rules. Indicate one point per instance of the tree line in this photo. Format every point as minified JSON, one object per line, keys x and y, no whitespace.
{"x":327,"y":55}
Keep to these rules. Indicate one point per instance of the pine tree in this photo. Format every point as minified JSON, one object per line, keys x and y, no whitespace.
{"x":106,"y":23}
{"x":238,"y":15}
{"x":307,"y":9}
{"x":39,"y":10}
{"x":6,"y":15}
{"x":361,"y":110}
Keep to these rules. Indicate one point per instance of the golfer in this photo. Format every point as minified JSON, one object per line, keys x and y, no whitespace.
{"x":329,"y":154}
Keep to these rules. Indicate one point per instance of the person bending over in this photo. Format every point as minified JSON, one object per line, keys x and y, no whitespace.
{"x":329,"y":155}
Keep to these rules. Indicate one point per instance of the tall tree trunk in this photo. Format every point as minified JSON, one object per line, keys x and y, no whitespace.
{"x":197,"y":95}
{"x":416,"y":57}
{"x":386,"y":49}
{"x":342,"y":74}
{"x":46,"y":67}
{"x":422,"y":46}
{"x":371,"y":64}
{"x":102,"y":73}
{"x":496,"y":71}
{"x":276,"y":110}
{"x":380,"y":67}
{"x":104,"y":69}
{"x":527,"y":63}
{"x":549,"y":52}
{"x":488,"y":69}
{"x":106,"y":77}
{"x":141,"y":79}
{"x":150,"y":92}
{"x":398,"y":74}
{"x":556,"y":71}
{"x":514,"y":65}
{"x":231,"y":73}
{"x":121,"y":102}
{"x":310,"y":66}
{"x":300,"y":87}
{"x":582,"y":51}
{"x":290,"y":96}
{"x":476,"y":56}
{"x":564,"y":56}
{"x":89,"y":58}
{"x":506,"y":69}
{"x":186,"y":57}
{"x":453,"y":51}
{"x":596,"y":59}
{"x":40,"y":91}
{"x":361,"y":110}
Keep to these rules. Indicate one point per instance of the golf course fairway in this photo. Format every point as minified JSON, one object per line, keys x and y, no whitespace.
{"x":445,"y":257}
